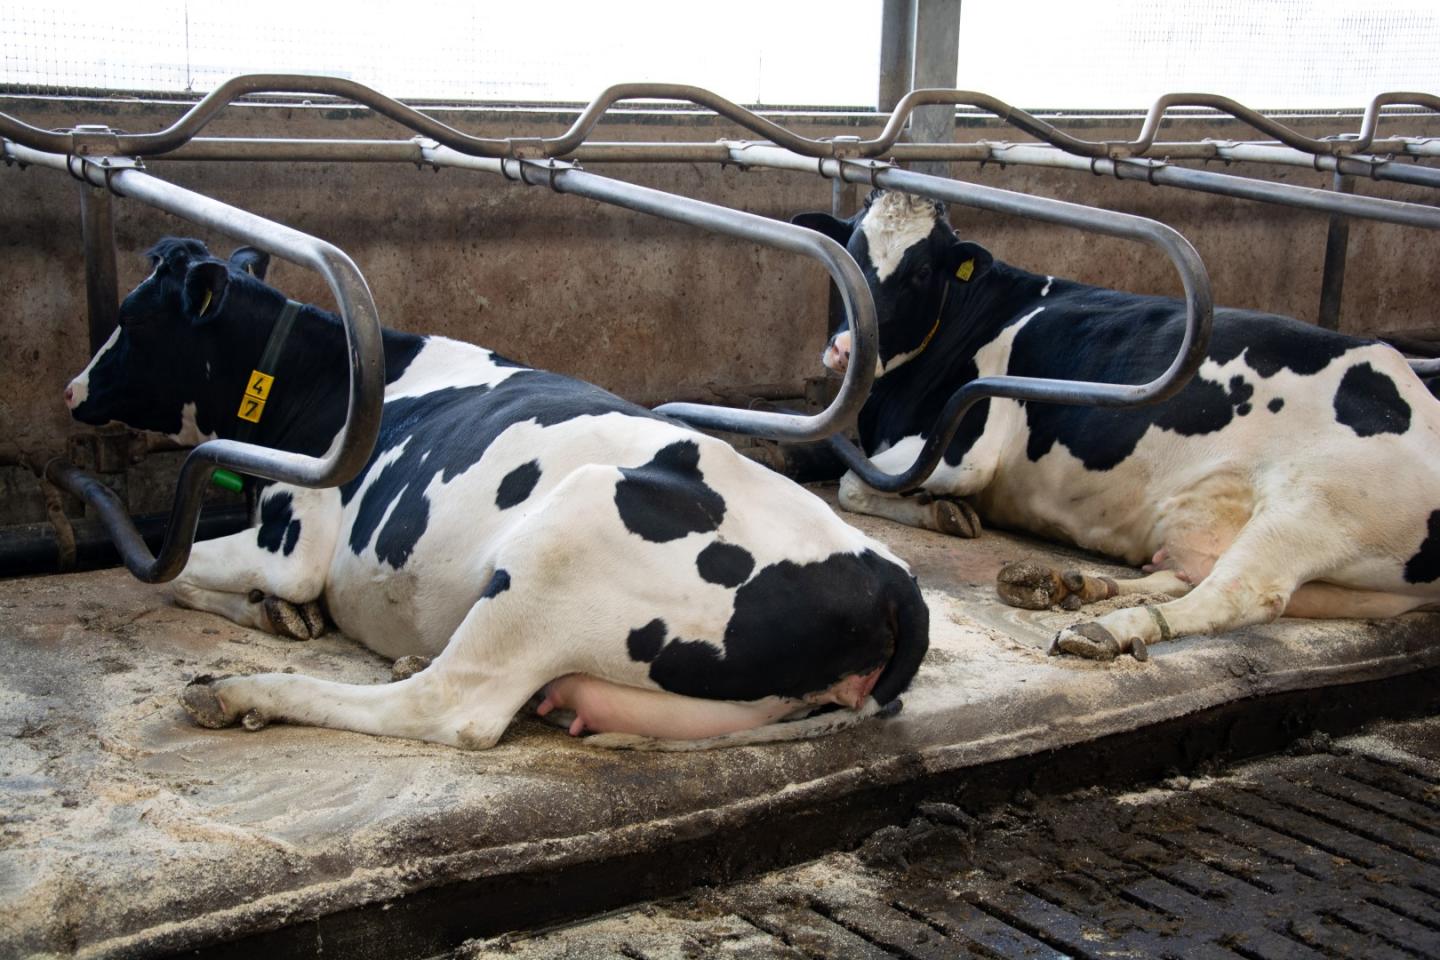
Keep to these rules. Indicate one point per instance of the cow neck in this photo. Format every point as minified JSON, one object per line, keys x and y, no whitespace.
{"x":306,"y":397}
{"x":261,"y":380}
{"x":910,"y":399}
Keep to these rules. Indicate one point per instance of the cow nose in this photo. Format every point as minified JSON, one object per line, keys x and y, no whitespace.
{"x":837,"y":353}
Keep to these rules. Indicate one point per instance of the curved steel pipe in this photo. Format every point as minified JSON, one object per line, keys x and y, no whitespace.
{"x":859,"y":306}
{"x":366,"y":359}
{"x":1199,"y":304}
{"x":194,"y":120}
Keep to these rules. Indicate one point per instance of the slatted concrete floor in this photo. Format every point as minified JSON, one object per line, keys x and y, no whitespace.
{"x":1334,"y":853}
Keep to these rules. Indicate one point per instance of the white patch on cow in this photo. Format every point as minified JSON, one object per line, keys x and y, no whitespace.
{"x":190,"y":433}
{"x":1005,"y":419}
{"x":1045,"y":290}
{"x":442,"y":363}
{"x":80,"y":386}
{"x":894,"y":223}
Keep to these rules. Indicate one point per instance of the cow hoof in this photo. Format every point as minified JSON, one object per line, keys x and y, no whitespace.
{"x":956,"y":518}
{"x":203,"y":704}
{"x":1029,"y":585}
{"x":1088,"y":640}
{"x":289,"y":620}
{"x":407,"y":667}
{"x":314,"y":616}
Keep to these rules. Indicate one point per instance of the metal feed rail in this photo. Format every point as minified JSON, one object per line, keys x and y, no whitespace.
{"x":362,"y":334}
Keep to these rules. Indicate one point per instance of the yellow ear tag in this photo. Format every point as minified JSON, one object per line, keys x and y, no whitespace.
{"x":965,"y":270}
{"x":204,"y":306}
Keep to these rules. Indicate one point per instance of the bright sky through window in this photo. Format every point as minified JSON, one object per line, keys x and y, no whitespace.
{"x":1269,"y":54}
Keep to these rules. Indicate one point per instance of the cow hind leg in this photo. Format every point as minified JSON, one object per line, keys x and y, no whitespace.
{"x":1252,"y":582}
{"x":465,"y":698}
{"x":1328,"y":601}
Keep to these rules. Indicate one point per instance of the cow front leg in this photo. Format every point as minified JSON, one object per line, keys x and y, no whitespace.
{"x":1037,"y":586}
{"x":269,"y":577}
{"x":256,"y":610}
{"x":924,"y":510}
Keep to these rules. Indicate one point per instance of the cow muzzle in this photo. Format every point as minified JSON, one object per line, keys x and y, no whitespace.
{"x":837,"y":352}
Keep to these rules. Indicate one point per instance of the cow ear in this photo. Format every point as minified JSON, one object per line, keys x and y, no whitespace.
{"x":967,"y":261}
{"x":252,"y":261}
{"x":204,"y":293}
{"x":833,"y":227}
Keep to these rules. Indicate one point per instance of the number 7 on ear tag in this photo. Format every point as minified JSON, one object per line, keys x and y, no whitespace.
{"x":257,"y":391}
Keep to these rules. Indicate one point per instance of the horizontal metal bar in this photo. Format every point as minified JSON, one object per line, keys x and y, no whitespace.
{"x":855,"y":293}
{"x":197,"y":117}
{"x":409,"y":151}
{"x":1199,"y":308}
{"x":1208,"y":181}
{"x":365,"y":349}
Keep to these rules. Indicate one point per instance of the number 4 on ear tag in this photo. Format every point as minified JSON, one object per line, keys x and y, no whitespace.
{"x":257,"y":391}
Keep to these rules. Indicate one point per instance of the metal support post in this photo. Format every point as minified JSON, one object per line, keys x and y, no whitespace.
{"x":937,"y":64}
{"x":1337,"y":244}
{"x":897,"y":53}
{"x":101,"y":276}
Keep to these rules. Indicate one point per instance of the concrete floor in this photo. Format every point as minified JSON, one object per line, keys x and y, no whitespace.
{"x":127,"y":831}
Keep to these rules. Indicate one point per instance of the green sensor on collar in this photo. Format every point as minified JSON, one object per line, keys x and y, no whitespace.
{"x":226,"y":480}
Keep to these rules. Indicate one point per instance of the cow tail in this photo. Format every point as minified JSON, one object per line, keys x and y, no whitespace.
{"x":912,"y":640}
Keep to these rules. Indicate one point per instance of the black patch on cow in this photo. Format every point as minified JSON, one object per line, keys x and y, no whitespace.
{"x":1276,"y":404}
{"x":1240,"y":394}
{"x":1369,"y":403}
{"x":279,"y":530}
{"x":1110,"y":337}
{"x":1268,"y":353}
{"x":499,"y":583}
{"x":500,"y":361}
{"x":1424,"y":567}
{"x":445,"y":433}
{"x":799,"y":628}
{"x":644,"y":643}
{"x":667,"y":498}
{"x":725,"y":564}
{"x":517,"y":485}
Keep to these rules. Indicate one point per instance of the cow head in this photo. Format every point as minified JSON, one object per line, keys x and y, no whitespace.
{"x":167,"y":366}
{"x":912,"y":260}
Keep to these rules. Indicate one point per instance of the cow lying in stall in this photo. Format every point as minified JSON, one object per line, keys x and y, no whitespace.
{"x":1297,"y":473}
{"x":526,"y":530}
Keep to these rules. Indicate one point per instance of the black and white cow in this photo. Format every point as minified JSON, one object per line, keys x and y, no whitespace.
{"x":528,"y":531}
{"x":1297,"y":473}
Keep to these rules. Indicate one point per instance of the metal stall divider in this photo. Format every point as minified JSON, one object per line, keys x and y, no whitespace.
{"x":362,"y":333}
{"x":842,"y":159}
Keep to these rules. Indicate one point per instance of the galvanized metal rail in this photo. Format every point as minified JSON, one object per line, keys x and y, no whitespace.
{"x":563,"y":146}
{"x":859,"y":306}
{"x":365,"y":351}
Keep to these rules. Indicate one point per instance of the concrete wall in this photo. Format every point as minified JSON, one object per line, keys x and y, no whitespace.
{"x":652,"y":310}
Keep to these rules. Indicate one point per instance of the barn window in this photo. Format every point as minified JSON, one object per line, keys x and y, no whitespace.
{"x":751,"y":51}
